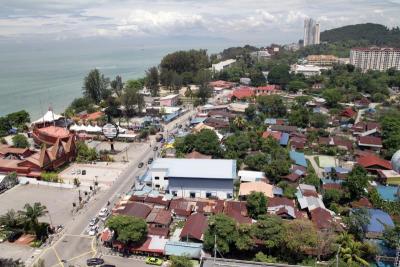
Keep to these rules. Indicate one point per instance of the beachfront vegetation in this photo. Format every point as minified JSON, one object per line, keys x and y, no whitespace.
{"x":95,"y":86}
{"x":17,"y":120}
{"x":128,"y":229}
{"x":20,"y":141}
{"x":153,"y":81}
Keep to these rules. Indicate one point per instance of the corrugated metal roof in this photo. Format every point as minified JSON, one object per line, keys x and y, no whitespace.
{"x":189,"y":249}
{"x":197,"y":168}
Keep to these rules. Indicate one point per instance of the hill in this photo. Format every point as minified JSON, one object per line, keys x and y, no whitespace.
{"x":363,"y":34}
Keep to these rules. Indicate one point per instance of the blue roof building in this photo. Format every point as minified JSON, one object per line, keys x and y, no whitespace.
{"x":377,"y":223}
{"x":298,"y":158}
{"x":188,"y":249}
{"x":388,"y":193}
{"x":284,"y":139}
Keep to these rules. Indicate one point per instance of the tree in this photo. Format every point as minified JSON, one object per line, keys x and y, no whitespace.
{"x":350,"y":250}
{"x":117,"y":85}
{"x":84,"y":153}
{"x":391,"y":236}
{"x":257,"y":78}
{"x":299,"y":117}
{"x":357,"y":182}
{"x":206,"y":142}
{"x":239,"y":122}
{"x":152,"y":81}
{"x":245,"y":240}
{"x":318,"y":120}
{"x":129,"y":229}
{"x":256,"y":204}
{"x":279,"y":74}
{"x":269,"y":229}
{"x":250,"y":112}
{"x":261,"y":257}
{"x":180,"y":261}
{"x":18,"y":118}
{"x":356,"y":222}
{"x":203,"y":78}
{"x":11,"y":220}
{"x":80,"y":104}
{"x":131,"y":98}
{"x":332,"y":97}
{"x":296,"y":85}
{"x":272,"y":105}
{"x":20,"y":141}
{"x":95,"y":85}
{"x":30,"y":216}
{"x":223,"y":229}
{"x":331,"y":196}
{"x":301,"y":243}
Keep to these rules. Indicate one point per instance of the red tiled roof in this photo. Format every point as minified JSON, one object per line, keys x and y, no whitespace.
{"x":332,"y":186}
{"x":361,"y":203}
{"x":348,"y":112}
{"x":237,"y":210}
{"x":273,"y":134}
{"x":370,"y":140}
{"x":321,"y":218}
{"x":53,"y":131}
{"x":195,"y":227}
{"x":243,"y":92}
{"x":293,"y":177}
{"x":135,"y":209}
{"x":372,"y":160}
{"x":197,"y":155}
{"x":272,"y":87}
{"x":158,"y":231}
{"x":278,"y":201}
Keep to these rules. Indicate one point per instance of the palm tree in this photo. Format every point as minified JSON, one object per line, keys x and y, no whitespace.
{"x":350,"y":250}
{"x":239,"y":122}
{"x":11,"y":219}
{"x":31,"y":214}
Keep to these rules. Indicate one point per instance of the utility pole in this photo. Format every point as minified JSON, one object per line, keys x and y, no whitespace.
{"x":215,"y":247}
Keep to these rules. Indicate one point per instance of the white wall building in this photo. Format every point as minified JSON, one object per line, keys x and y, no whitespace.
{"x":311,"y":32}
{"x":375,"y":58}
{"x":222,"y":65}
{"x":194,"y":178}
{"x":307,"y":70}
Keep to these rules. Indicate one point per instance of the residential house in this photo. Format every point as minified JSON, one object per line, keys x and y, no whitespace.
{"x":282,"y":207}
{"x":378,"y":222}
{"x":374,"y":163}
{"x":159,"y":218}
{"x":298,"y":158}
{"x":308,"y":197}
{"x":267,"y":90}
{"x":169,"y":100}
{"x":251,"y":176}
{"x":135,"y":209}
{"x":187,"y":249}
{"x":389,"y":177}
{"x":194,"y":228}
{"x":259,"y":186}
{"x":370,"y":142}
{"x":182,"y":208}
{"x":216,"y":123}
{"x":243,"y":93}
{"x":237,"y":210}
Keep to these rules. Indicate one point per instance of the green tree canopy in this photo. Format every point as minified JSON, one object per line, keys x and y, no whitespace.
{"x":357,"y":182}
{"x":95,"y":85}
{"x":20,"y":141}
{"x":269,"y":229}
{"x":256,"y":204}
{"x":332,"y":97}
{"x":272,"y":105}
{"x":223,"y":229}
{"x":153,"y":81}
{"x":180,"y":261}
{"x":129,"y":229}
{"x":279,"y":74}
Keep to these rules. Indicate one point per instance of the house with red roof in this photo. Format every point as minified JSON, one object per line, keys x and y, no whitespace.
{"x":274,"y":134}
{"x":322,"y":218}
{"x":243,"y":92}
{"x":282,"y":207}
{"x":374,"y":163}
{"x":267,"y":90}
{"x":348,"y":113}
{"x":237,"y":210}
{"x":194,"y":228}
{"x":370,"y":142}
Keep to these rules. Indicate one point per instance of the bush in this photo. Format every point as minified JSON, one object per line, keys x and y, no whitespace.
{"x":84,"y":153}
{"x":20,"y":141}
{"x":51,"y":177}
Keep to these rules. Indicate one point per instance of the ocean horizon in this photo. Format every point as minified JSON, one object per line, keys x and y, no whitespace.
{"x":37,"y":76}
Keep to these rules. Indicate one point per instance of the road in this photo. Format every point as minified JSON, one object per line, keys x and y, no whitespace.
{"x":73,"y":247}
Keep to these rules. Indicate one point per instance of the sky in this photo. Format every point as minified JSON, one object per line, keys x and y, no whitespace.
{"x":244,"y":21}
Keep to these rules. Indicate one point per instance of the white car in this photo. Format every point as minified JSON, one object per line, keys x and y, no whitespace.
{"x":93,"y":230}
{"x":93,"y":221}
{"x":103,"y":212}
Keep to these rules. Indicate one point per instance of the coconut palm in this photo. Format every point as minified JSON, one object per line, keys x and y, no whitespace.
{"x":11,"y":219}
{"x":239,"y":122}
{"x":31,"y":214}
{"x":351,"y":250}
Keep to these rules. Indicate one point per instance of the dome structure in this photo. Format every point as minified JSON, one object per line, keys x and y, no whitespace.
{"x":396,"y":161}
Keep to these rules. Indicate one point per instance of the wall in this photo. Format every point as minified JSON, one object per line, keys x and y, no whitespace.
{"x":24,"y":180}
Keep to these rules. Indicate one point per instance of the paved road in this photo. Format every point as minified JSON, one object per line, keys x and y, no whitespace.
{"x":73,"y":246}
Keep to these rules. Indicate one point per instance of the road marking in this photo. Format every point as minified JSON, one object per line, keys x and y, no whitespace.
{"x":58,"y":257}
{"x":79,"y":256}
{"x":119,"y":257}
{"x":82,"y":236}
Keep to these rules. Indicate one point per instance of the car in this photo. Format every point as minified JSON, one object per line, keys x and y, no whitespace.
{"x":154,"y":261}
{"x":93,"y":230}
{"x":140,"y":165}
{"x":94,"y":261}
{"x":93,"y":221}
{"x":155,"y":148}
{"x":150,"y":161}
{"x":103,"y":212}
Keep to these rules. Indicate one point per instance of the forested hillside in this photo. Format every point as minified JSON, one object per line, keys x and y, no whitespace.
{"x":364,"y":34}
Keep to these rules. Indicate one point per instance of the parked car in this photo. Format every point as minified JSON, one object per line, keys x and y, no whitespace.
{"x":140,"y":165}
{"x":154,"y":261}
{"x":94,"y":261}
{"x":93,"y":221}
{"x":93,"y":230}
{"x":150,"y":161}
{"x":107,"y":265}
{"x":103,"y":212}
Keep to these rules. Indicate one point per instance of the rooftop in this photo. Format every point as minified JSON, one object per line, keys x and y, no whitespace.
{"x":197,"y":168}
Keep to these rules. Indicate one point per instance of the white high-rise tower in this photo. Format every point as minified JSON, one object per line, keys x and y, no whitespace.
{"x":311,"y":32}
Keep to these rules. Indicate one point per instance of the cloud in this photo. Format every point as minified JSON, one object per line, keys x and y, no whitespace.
{"x":250,"y":20}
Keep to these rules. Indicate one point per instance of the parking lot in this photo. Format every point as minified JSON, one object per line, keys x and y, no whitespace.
{"x":103,"y":172}
{"x":57,"y":200}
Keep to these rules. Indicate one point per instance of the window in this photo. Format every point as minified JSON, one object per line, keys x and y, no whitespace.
{"x":174,"y":193}
{"x":157,"y":186}
{"x":192,"y":194}
{"x":165,"y":178}
{"x":208,"y":195}
{"x":156,"y":178}
{"x":229,"y":195}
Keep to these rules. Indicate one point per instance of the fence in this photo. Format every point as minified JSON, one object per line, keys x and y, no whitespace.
{"x":26,"y":180}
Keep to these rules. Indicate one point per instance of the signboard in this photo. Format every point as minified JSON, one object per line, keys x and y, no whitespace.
{"x":110,"y":131}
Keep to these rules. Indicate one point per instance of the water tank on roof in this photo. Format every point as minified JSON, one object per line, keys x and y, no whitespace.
{"x":396,"y":161}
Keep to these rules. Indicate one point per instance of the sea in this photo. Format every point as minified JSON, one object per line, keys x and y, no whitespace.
{"x":38,"y":75}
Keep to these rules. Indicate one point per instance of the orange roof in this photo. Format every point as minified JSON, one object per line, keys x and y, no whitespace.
{"x":247,"y":188}
{"x":274,"y":134}
{"x":92,"y":116}
{"x":371,"y":160}
{"x":54,"y":131}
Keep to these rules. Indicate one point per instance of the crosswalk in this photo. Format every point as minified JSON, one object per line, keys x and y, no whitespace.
{"x":32,"y":259}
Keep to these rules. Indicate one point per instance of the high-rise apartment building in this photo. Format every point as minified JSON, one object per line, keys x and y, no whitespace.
{"x":311,"y":32}
{"x":375,"y":58}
